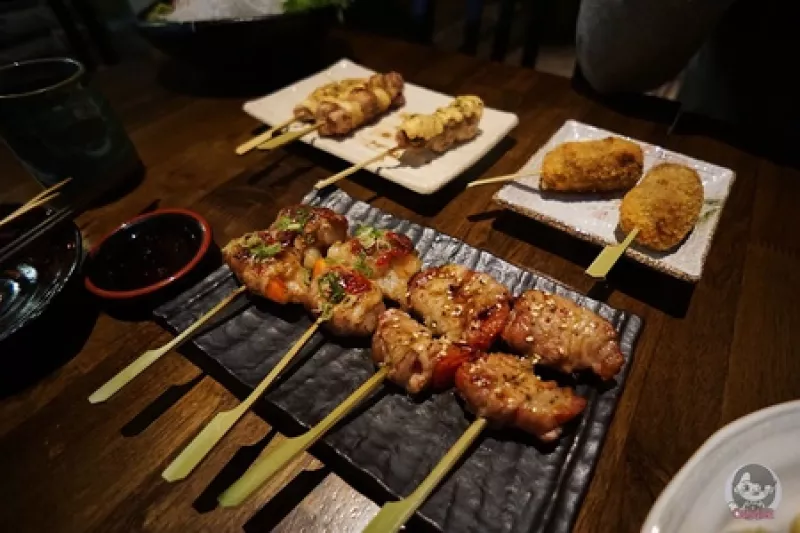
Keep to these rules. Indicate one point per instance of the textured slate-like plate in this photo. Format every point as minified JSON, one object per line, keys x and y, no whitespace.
{"x":509,"y":483}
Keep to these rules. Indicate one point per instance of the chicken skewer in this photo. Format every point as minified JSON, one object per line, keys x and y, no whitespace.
{"x":355,"y":106}
{"x":305,"y":111}
{"x":407,"y":354}
{"x":270,"y":264}
{"x":438,"y":132}
{"x":344,"y":300}
{"x":658,"y":213}
{"x":267,"y":263}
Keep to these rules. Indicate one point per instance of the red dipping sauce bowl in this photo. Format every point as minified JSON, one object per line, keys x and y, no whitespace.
{"x":148,"y":255}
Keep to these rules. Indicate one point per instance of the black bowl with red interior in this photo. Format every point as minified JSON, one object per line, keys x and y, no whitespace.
{"x":149,"y":259}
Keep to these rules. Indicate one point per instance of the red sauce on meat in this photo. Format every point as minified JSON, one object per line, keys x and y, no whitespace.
{"x":400,"y":246}
{"x":353,"y":282}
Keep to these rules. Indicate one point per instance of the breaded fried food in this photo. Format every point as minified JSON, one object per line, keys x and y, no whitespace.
{"x":665,"y":206}
{"x":610,"y":164}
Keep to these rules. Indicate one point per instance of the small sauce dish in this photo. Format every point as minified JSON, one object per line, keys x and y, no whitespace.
{"x":147,"y":255}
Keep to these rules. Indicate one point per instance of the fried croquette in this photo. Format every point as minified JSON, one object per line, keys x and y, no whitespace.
{"x":610,"y":164}
{"x":665,"y":206}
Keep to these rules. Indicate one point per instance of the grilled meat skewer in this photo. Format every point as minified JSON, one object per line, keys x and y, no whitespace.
{"x":438,"y":131}
{"x":460,"y":304}
{"x":351,"y":302}
{"x":416,"y":361}
{"x":558,"y":333}
{"x":386,"y":257}
{"x":306,"y":111}
{"x":271,"y":263}
{"x":503,"y":389}
{"x":359,"y":104}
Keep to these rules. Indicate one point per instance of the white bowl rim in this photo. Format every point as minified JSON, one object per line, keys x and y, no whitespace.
{"x":711,"y":445}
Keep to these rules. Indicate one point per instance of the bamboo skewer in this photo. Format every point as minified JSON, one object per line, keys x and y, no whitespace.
{"x":355,"y":168}
{"x":151,"y":356}
{"x":501,"y":179}
{"x":393,"y":515}
{"x":608,"y":257}
{"x":268,"y":465}
{"x":259,"y":139}
{"x":40,"y":199}
{"x":286,"y":138}
{"x":222,"y":422}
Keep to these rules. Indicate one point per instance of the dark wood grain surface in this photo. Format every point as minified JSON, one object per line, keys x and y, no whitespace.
{"x":708,"y":354}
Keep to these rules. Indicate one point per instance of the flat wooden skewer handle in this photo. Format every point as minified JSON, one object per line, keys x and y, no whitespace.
{"x":258,"y":139}
{"x":501,"y":179}
{"x":393,"y":515}
{"x":204,"y":442}
{"x":151,"y":356}
{"x":608,"y":257}
{"x":287,"y":137}
{"x":355,"y":168}
{"x":268,"y":465}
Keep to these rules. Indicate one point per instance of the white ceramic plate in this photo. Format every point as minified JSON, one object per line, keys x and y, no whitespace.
{"x":594,"y":217}
{"x":697,"y":499}
{"x":424,"y":178}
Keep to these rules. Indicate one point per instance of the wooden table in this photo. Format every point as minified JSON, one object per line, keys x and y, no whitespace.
{"x":707,"y":356}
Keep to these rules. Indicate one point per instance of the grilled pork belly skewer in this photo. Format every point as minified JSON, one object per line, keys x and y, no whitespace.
{"x":501,"y":390}
{"x":355,"y":106}
{"x":460,"y":304}
{"x":266,"y":263}
{"x":556,"y":332}
{"x":305,"y":111}
{"x":414,"y":359}
{"x":438,"y":132}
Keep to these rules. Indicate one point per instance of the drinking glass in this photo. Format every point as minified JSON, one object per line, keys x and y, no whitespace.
{"x":59,"y":127}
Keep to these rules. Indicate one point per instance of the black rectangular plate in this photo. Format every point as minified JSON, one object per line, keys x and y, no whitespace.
{"x":508,"y":483}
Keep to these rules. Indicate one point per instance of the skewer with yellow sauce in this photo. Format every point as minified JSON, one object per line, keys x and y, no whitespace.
{"x":438,"y":131}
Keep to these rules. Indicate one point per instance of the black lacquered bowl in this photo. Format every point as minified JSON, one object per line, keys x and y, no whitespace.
{"x":31,"y":281}
{"x":147,"y":254}
{"x":263,"y":41}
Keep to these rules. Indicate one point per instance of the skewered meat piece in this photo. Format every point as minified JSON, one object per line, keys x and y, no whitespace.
{"x":558,"y":333}
{"x":503,"y":389}
{"x":665,"y":206}
{"x":360,"y":104}
{"x":352,"y":302}
{"x":386,"y":257}
{"x":416,"y":361}
{"x":268,"y":267}
{"x":610,"y":164}
{"x":271,"y":262}
{"x":306,"y":110}
{"x":447,"y":125}
{"x":463,"y":305}
{"x":311,"y":230}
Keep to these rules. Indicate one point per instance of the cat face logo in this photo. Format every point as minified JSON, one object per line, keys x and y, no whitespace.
{"x":753,"y":492}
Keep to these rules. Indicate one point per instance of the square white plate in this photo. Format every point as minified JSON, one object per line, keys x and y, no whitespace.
{"x":594,"y":217}
{"x":368,"y":141}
